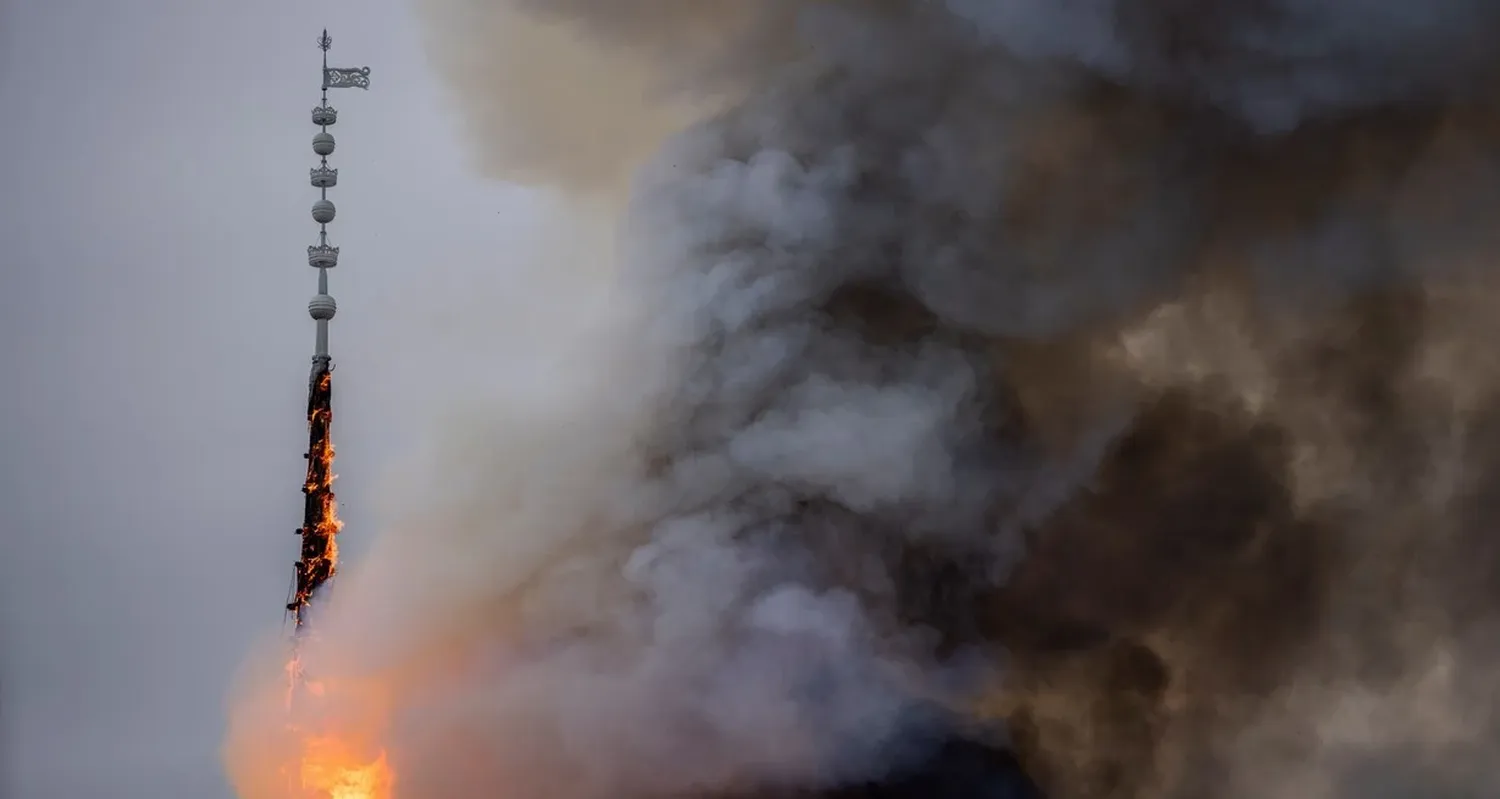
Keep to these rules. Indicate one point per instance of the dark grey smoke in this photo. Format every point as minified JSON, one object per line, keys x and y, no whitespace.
{"x":1274,"y":64}
{"x":1119,"y":370}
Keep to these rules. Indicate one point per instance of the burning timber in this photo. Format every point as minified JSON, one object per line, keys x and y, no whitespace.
{"x":320,"y":522}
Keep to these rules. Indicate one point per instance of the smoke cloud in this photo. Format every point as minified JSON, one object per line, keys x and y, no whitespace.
{"x":1109,"y":379}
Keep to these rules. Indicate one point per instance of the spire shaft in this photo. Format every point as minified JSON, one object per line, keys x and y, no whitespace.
{"x":319,"y":561}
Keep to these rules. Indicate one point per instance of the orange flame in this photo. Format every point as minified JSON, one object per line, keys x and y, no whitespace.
{"x":337,"y":761}
{"x":320,"y":553}
{"x":333,"y":761}
{"x":332,"y":769}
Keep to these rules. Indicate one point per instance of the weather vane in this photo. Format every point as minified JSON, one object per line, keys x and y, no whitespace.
{"x":340,"y":78}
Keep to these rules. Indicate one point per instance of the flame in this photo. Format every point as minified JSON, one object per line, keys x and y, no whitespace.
{"x":324,"y":742}
{"x":335,"y":757}
{"x":331,"y":761}
{"x":332,"y":768}
{"x":321,"y":526}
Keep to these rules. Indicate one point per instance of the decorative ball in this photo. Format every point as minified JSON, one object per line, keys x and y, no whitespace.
{"x":322,"y":308}
{"x":323,"y":142}
{"x":323,"y":211}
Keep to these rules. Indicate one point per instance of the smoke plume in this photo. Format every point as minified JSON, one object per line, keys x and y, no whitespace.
{"x":1107,"y":380}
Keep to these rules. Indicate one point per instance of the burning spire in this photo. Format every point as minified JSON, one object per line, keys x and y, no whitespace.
{"x":333,"y":762}
{"x":320,"y":522}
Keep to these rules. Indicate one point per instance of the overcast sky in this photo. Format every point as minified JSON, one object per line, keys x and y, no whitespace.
{"x":154,"y":348}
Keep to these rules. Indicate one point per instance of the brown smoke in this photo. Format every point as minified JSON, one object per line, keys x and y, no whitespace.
{"x":1118,"y":370}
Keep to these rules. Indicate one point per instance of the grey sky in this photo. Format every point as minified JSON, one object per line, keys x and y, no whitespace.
{"x":154,"y":348}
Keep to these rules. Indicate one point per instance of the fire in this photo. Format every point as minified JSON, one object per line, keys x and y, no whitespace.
{"x":330,"y":761}
{"x":334,"y":753}
{"x":321,"y":524}
{"x":332,"y":769}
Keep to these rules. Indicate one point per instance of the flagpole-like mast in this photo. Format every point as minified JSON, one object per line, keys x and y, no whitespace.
{"x":319,"y":561}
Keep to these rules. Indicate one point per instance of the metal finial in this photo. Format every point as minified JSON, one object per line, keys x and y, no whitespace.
{"x":325,"y":41}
